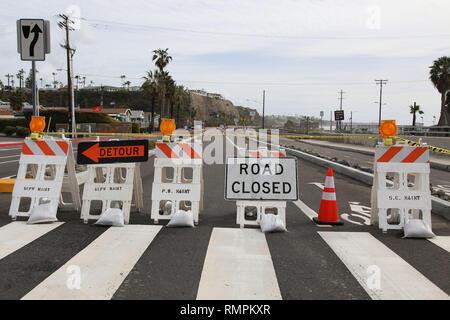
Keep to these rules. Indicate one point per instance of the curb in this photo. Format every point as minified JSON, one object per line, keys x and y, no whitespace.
{"x":434,"y":165}
{"x":439,"y":207}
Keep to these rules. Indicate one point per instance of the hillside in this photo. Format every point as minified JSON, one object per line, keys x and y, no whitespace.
{"x":216,"y":111}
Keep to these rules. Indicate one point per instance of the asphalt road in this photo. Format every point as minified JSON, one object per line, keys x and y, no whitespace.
{"x":437,"y":177}
{"x":171,"y":267}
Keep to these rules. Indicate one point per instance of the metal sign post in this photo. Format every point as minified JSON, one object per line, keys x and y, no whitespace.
{"x":33,"y":42}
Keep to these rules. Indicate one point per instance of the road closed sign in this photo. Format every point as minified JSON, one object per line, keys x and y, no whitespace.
{"x":261,"y":179}
{"x":112,"y":151}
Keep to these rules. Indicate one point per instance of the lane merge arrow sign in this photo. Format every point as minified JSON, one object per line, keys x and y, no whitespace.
{"x":99,"y":152}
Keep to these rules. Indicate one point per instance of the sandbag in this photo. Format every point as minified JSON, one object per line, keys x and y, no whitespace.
{"x":42,"y":213}
{"x":111,"y":217}
{"x":417,"y":228}
{"x":272,"y":223}
{"x":182,"y":218}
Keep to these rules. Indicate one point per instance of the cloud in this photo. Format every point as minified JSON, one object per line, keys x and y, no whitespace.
{"x":331,"y":42}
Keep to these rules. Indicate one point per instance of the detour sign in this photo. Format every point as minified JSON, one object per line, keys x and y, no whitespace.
{"x":112,"y":151}
{"x":261,"y":179}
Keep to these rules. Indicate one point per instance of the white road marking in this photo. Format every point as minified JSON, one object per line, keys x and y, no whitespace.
{"x":11,"y":161}
{"x":17,"y":155}
{"x":442,"y":241}
{"x":103,"y":265}
{"x":238,"y":266}
{"x":361,"y":252}
{"x":18,"y":234}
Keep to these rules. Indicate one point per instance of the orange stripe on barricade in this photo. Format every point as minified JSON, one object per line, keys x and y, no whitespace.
{"x":167,"y":150}
{"x":389,"y":154}
{"x":189,"y":150}
{"x":26,"y":150}
{"x":45,"y":148}
{"x":414,"y":155}
{"x":63,"y":145}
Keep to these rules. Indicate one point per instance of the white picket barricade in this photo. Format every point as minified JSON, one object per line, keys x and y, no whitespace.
{"x":110,"y":184}
{"x":244,"y":216}
{"x":171,"y":188}
{"x":394,"y":203}
{"x":45,"y":160}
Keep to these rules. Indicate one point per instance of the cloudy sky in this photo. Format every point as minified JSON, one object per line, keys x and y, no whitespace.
{"x":302,"y":52}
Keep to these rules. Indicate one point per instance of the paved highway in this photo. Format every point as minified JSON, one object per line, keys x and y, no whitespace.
{"x":307,"y":262}
{"x":437,"y":177}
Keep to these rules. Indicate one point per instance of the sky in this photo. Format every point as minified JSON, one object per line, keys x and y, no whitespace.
{"x":301,"y":52}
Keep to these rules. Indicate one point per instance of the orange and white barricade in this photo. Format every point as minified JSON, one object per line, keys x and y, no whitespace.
{"x":44,"y":161}
{"x":408,"y":195}
{"x":249,"y":212}
{"x":178,"y":180}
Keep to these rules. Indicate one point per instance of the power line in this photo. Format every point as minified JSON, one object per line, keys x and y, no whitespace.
{"x":96,"y":22}
{"x":259,"y":83}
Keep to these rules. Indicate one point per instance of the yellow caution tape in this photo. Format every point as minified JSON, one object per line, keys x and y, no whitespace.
{"x":148,"y":135}
{"x":416,"y":144}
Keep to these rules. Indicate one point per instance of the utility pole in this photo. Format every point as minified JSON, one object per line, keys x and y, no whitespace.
{"x":380,"y":82}
{"x":341,"y":93}
{"x":331,"y":120}
{"x":66,"y":24}
{"x":264,"y":104}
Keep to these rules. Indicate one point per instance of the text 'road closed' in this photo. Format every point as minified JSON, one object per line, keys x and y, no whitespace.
{"x":261,"y":179}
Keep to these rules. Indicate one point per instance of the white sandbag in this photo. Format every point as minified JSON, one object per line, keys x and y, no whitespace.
{"x":167,"y":209}
{"x":272,"y":223}
{"x":182,"y":218}
{"x":42,"y":213}
{"x":111,"y":217}
{"x":417,"y":228}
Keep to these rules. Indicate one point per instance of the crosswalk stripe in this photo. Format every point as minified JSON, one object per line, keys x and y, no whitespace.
{"x":442,"y":241}
{"x":103,"y":265}
{"x":310,"y":213}
{"x":238,"y":266}
{"x":364,"y":255}
{"x":18,"y":234}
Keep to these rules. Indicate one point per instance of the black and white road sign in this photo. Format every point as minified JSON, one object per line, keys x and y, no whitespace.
{"x":261,"y":179}
{"x":339,"y":115}
{"x":33,"y":39}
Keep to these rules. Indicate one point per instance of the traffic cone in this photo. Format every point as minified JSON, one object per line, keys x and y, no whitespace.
{"x":328,"y":212}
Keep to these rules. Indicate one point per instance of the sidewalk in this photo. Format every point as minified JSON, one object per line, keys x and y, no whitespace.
{"x":440,"y":163}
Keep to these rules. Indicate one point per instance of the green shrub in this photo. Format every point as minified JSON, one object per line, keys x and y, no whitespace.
{"x":9,"y":130}
{"x":144,"y":130}
{"x":22,"y":131}
{"x":16,"y":122}
{"x":135,"y":127}
{"x":151,"y":144}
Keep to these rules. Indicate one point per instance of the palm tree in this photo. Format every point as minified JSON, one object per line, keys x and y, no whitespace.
{"x":20,"y":76}
{"x":440,"y":76}
{"x":127,"y":83}
{"x":413,"y":109}
{"x":162,"y":59}
{"x":150,"y":88}
{"x":122,"y":77}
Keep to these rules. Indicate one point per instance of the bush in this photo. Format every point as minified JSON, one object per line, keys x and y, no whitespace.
{"x":9,"y":130}
{"x":151,"y":144}
{"x":135,"y":127}
{"x":22,"y":131}
{"x":144,"y":130}
{"x":13,"y":123}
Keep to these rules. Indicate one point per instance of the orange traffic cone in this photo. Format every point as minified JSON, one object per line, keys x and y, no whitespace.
{"x":328,"y":212}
